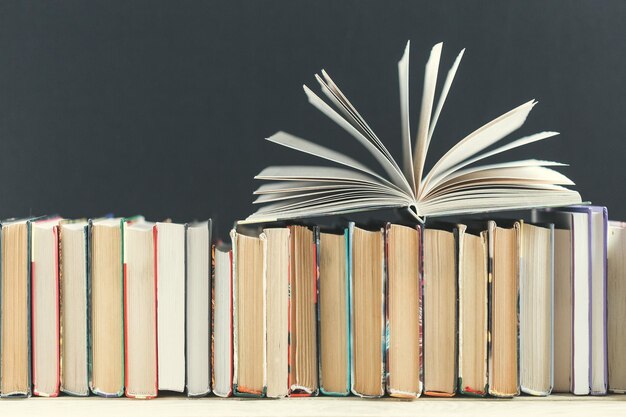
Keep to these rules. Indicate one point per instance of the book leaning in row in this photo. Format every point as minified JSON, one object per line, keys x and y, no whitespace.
{"x":121,"y":306}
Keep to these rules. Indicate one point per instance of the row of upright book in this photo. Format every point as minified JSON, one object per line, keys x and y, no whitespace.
{"x":122,"y":306}
{"x":112,"y":306}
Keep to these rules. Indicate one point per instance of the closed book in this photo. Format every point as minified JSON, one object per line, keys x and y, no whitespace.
{"x":278,"y":270}
{"x":597,"y":223}
{"x":15,"y":308}
{"x":222,"y":321}
{"x":198,"y":308}
{"x":334,"y":314}
{"x":106,"y":291}
{"x":562,"y":309}
{"x":473,"y":311}
{"x":504,"y":255}
{"x":303,"y":312}
{"x":45,"y":306}
{"x":439,"y":313}
{"x":616,"y":301}
{"x":140,"y":321}
{"x":572,"y":308}
{"x":403,"y":248}
{"x":367,"y":309}
{"x":249,"y":312}
{"x":73,"y":307}
{"x":536,"y":308}
{"x":170,"y":272}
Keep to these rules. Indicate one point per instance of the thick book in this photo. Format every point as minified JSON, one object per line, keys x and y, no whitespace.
{"x":572,"y":316}
{"x":440,"y":313}
{"x":278,"y":272}
{"x":140,"y":310}
{"x":249,"y":312}
{"x":15,"y":308}
{"x":403,"y":247}
{"x":597,"y":221}
{"x":503,"y":353}
{"x":472,"y":278}
{"x":170,"y":272}
{"x":562,"y":335}
{"x":302,"y":322}
{"x":73,"y":307}
{"x":334,"y":314}
{"x":106,"y":302}
{"x":45,"y":307}
{"x":198,"y":308}
{"x":536,"y":308}
{"x":455,"y":184}
{"x":367,"y":311}
{"x":222,"y":321}
{"x":616,"y":297}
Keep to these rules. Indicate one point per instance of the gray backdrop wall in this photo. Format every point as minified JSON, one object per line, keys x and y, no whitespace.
{"x":161,"y":108}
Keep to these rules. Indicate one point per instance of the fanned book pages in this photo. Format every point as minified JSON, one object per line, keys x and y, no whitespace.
{"x":454,"y":184}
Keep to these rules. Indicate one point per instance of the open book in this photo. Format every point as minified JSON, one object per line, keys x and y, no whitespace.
{"x":454,"y":185}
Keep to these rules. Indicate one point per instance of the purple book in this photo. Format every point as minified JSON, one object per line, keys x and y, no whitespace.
{"x":597,"y":224}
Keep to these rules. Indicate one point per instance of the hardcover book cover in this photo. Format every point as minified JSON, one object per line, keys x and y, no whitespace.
{"x":597,"y":217}
{"x":572,"y":284}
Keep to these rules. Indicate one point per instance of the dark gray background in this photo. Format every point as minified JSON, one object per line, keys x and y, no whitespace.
{"x":161,"y":108}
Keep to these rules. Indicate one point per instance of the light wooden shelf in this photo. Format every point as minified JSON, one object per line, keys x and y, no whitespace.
{"x":554,"y":405}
